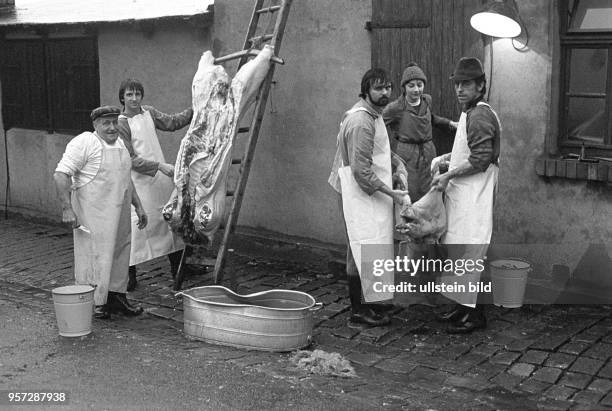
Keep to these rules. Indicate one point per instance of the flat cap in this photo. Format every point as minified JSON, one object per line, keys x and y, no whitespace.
{"x":105,"y":111}
{"x":468,"y":68}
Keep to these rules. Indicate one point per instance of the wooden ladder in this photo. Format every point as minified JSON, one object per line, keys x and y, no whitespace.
{"x":252,"y":44}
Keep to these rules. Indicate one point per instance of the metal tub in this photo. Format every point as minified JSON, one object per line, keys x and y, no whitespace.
{"x":274,"y":320}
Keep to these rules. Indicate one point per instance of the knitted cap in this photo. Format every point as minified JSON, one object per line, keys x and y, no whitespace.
{"x":413,"y":72}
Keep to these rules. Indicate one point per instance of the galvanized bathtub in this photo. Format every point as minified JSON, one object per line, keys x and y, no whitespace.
{"x":274,"y":320}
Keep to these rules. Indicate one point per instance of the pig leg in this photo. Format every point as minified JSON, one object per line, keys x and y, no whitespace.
{"x":247,"y":81}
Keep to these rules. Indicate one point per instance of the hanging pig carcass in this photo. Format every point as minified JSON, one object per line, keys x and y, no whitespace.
{"x":197,"y":205}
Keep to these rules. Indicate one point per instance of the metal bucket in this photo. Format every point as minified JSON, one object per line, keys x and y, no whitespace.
{"x":509,"y":278}
{"x":73,"y":309}
{"x":274,"y":320}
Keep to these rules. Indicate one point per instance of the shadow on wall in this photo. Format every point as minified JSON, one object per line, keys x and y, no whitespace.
{"x":584,"y":277}
{"x":595,"y":267}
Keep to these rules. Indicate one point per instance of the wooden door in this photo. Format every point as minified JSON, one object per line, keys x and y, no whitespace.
{"x":432,"y":33}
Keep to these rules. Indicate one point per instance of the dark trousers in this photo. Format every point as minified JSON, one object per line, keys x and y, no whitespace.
{"x":352,"y":273}
{"x":174,"y":258}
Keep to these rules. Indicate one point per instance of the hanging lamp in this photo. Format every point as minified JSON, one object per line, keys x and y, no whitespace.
{"x":498,"y":18}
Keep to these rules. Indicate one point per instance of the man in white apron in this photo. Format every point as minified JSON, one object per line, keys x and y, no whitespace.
{"x":469,"y":186}
{"x":95,"y":188}
{"x":362,"y":176}
{"x":151,"y":174}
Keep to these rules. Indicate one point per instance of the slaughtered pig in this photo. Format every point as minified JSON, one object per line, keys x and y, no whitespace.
{"x":197,"y":205}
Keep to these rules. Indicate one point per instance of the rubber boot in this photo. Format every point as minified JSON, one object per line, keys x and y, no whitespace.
{"x":119,"y":303}
{"x":102,"y":312}
{"x":362,"y":313}
{"x":455,"y":313}
{"x":175,"y":261}
{"x":472,"y":319}
{"x":131,"y":286}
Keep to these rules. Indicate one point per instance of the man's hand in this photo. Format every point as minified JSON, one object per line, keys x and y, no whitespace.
{"x":436,"y":162}
{"x":440,"y":181}
{"x":167,"y":169}
{"x":142,"y":218}
{"x":453,"y":125}
{"x":69,"y":217}
{"x":400,"y":180}
{"x":400,"y":197}
{"x":63,"y":184}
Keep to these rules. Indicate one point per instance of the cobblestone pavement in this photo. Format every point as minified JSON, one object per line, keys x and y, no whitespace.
{"x":535,"y":357}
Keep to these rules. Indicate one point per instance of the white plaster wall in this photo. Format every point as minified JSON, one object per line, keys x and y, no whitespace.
{"x":33,"y":156}
{"x":326,"y":50}
{"x":164,"y":62}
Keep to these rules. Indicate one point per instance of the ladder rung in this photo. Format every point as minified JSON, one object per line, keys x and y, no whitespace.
{"x":236,"y":161}
{"x":257,"y":39}
{"x":250,"y":52}
{"x":244,"y":129}
{"x":268,"y":10}
{"x":252,"y":42}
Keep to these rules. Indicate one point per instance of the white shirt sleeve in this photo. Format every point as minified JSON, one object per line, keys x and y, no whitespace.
{"x":82,"y":158}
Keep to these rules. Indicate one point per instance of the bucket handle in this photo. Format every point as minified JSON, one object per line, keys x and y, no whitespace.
{"x":316,"y":307}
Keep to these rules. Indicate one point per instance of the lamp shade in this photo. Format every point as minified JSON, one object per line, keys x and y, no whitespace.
{"x":497,"y":19}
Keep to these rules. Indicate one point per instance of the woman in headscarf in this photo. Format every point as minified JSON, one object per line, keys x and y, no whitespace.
{"x":409,"y":121}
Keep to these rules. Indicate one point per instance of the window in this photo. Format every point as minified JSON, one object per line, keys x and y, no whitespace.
{"x":49,"y":84}
{"x":586,"y":77}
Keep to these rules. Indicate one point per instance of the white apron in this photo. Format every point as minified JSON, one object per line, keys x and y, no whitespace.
{"x":103,"y":206}
{"x":469,"y":213}
{"x":156,"y":239}
{"x":369,"y":219}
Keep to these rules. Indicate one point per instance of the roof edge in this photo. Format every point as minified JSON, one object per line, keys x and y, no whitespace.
{"x":206,"y":16}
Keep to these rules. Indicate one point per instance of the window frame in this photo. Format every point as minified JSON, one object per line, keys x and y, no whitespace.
{"x":568,"y":41}
{"x":57,"y":80}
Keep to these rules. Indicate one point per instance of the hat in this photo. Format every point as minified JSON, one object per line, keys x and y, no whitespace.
{"x":468,"y":68}
{"x":413,"y":72}
{"x":104,"y":111}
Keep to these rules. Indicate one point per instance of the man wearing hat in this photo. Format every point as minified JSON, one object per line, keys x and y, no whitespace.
{"x":469,"y":186}
{"x":95,"y":189}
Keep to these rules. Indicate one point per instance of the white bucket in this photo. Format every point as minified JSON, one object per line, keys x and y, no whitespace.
{"x":73,"y":309}
{"x":509,"y":278}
